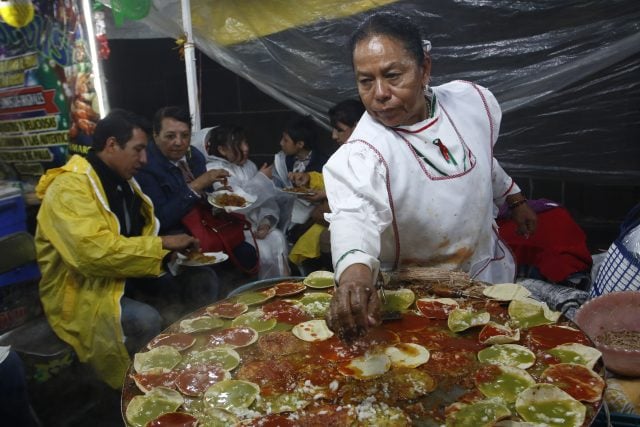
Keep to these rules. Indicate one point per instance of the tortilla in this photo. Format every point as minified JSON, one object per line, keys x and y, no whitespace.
{"x":504,"y":382}
{"x":236,"y":336}
{"x":195,"y":380}
{"x":312,"y":330}
{"x":227,"y":310}
{"x":436,"y":308}
{"x":577,"y":380}
{"x":463,"y":319}
{"x":289,"y":288}
{"x":506,"y":292}
{"x":256,"y":297}
{"x":179,"y":341}
{"x":509,"y":355}
{"x":407,"y":355}
{"x":398,"y":300}
{"x":162,"y":358}
{"x":319,"y":280}
{"x":152,"y":379}
{"x":576,"y":353}
{"x":231,"y":394}
{"x":366,"y":367}
{"x":528,"y":313}
{"x":316,"y":303}
{"x":200,"y":324}
{"x":548,"y":404}
{"x":549,"y":336}
{"x":147,"y":407}
{"x":256,"y":320}
{"x":226,"y":357}
{"x":495,"y":333}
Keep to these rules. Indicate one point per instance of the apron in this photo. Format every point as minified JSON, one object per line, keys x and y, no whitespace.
{"x":446,"y":221}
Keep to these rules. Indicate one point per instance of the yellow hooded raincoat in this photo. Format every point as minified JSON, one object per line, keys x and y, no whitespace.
{"x":84,"y":261}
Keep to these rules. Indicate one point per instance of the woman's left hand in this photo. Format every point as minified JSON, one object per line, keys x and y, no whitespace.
{"x":525,"y":218}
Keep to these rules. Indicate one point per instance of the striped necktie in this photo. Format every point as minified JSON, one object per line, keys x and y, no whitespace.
{"x":186,"y":172}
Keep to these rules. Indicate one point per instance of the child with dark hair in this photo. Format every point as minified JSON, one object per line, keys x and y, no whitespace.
{"x":299,"y":153}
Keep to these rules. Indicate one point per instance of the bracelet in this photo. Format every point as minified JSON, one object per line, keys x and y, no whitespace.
{"x":517,"y":203}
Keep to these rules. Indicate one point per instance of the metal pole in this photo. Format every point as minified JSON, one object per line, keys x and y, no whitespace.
{"x":190,"y":65}
{"x":96,"y":64}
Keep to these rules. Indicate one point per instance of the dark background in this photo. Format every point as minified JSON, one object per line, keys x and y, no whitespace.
{"x":146,"y":74}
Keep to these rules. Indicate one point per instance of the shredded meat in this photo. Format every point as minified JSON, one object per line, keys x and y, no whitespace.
{"x":228,"y":199}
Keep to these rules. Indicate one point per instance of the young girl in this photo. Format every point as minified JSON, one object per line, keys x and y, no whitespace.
{"x":226,"y":147}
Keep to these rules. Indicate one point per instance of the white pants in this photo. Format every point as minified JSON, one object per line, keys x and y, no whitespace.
{"x":273,"y":254}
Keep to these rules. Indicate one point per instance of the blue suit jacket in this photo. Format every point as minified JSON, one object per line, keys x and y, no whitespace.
{"x":162,"y":181}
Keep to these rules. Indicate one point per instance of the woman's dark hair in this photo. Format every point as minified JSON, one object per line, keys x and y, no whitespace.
{"x":393,"y":25}
{"x":118,"y":124}
{"x":348,"y":112}
{"x":302,"y":128}
{"x":175,"y":112}
{"x":227,"y":136}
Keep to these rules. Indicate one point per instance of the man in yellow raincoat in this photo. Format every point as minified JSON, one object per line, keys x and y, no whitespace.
{"x":96,"y":229}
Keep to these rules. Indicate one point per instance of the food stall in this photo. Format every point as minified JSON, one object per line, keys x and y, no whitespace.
{"x":450,"y":351}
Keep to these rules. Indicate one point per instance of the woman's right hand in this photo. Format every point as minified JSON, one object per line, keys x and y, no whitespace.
{"x":208,"y":178}
{"x":355,"y":306}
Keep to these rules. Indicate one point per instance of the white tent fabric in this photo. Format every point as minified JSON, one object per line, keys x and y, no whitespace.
{"x":565,"y":72}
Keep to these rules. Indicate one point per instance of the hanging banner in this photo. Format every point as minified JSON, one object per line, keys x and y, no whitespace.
{"x":47,"y":100}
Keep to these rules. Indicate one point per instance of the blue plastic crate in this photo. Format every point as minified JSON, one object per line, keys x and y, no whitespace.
{"x":25,"y":273}
{"x":13,"y":214}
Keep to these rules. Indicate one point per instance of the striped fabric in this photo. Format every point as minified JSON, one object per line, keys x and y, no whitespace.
{"x":620,"y":271}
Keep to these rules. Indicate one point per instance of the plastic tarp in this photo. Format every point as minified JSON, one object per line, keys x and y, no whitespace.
{"x":567,"y":73}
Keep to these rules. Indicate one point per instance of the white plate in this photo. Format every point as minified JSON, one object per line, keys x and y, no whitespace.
{"x":298,"y":193}
{"x":220,"y":257}
{"x":211,"y":197}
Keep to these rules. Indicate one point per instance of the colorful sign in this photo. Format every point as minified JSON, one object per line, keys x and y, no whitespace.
{"x":47,"y":100}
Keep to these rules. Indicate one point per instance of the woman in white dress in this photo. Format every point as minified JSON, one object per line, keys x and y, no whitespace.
{"x":417,"y":183}
{"x":226,"y":147}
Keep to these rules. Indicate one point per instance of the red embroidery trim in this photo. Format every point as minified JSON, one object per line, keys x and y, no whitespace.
{"x":394,"y":223}
{"x":427,"y":126}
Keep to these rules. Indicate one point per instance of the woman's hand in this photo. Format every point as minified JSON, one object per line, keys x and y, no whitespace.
{"x":209,"y":177}
{"x":355,"y":306}
{"x":524,"y":217}
{"x":299,"y":179}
